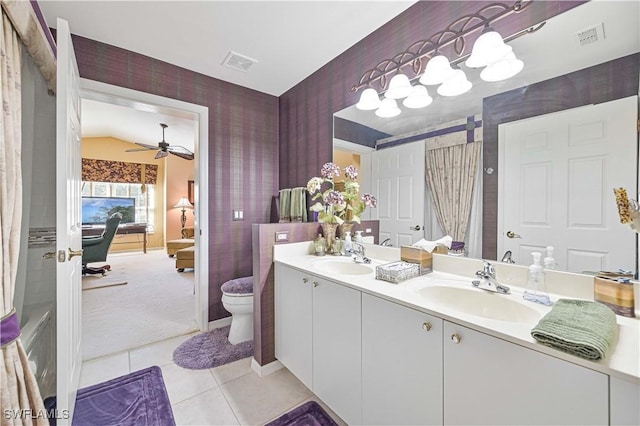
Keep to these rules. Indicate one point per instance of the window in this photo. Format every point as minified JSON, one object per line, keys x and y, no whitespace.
{"x":144,"y":201}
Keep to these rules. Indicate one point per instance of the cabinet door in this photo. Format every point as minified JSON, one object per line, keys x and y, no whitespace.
{"x":337,"y":376}
{"x":401,"y":365}
{"x":493,"y":382}
{"x":293,"y":304}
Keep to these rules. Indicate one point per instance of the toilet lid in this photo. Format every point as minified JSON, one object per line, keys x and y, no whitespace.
{"x":242,"y":285}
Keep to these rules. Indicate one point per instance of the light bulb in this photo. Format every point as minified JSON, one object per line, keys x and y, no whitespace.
{"x":456,"y":85}
{"x":418,"y":98}
{"x":437,"y":71}
{"x":388,"y":108}
{"x":369,"y":100}
{"x":502,"y":69}
{"x":399,"y":87}
{"x":488,"y":48}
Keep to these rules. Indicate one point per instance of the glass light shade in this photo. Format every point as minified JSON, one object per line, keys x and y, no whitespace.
{"x":488,"y":48}
{"x":418,"y":98}
{"x":369,"y":100}
{"x":456,"y":85}
{"x":503,"y":69}
{"x":437,"y":71}
{"x":399,"y":87}
{"x":183,"y":204}
{"x":388,"y":108}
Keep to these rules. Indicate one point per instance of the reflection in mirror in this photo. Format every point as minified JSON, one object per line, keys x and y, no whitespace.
{"x":559,"y":74}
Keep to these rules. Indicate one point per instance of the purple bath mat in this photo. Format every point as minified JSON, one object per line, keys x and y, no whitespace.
{"x":138,"y":398}
{"x":210,"y":349}
{"x":308,"y":414}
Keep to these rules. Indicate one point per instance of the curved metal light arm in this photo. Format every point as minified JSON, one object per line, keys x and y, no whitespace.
{"x":421,"y":51}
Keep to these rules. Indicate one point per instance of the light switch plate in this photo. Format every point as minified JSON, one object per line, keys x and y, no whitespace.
{"x":238,"y":215}
{"x":282,"y":236}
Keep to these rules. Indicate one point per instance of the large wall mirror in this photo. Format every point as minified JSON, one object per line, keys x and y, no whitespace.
{"x":560,"y":74}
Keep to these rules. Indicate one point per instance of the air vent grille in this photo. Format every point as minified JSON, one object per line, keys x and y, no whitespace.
{"x":591,"y":35}
{"x":238,"y":62}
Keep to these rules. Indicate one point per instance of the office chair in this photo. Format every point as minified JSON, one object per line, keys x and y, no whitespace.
{"x":94,"y":249}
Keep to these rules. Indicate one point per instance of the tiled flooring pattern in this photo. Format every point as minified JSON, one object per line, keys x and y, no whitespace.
{"x":231,"y":394}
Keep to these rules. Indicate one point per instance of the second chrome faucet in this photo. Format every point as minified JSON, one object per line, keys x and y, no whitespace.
{"x":488,"y":280}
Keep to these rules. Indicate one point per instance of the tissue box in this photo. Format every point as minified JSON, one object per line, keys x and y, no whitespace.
{"x":619,"y":296}
{"x":421,"y":257}
{"x":396,"y":272}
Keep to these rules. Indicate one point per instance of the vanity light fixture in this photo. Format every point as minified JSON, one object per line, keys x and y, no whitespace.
{"x":418,"y":98}
{"x":431,"y":66}
{"x":388,"y":108}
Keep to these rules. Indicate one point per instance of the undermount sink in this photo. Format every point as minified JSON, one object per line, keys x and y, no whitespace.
{"x":343,"y":266}
{"x":481,"y":303}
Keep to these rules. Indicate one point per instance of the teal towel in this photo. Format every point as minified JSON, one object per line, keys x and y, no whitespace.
{"x":581,"y":328}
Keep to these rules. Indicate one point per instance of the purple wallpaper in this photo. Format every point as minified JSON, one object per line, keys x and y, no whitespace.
{"x":306,"y":110}
{"x":243,"y":148}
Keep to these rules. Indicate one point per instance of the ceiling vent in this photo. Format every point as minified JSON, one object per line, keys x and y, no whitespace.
{"x":591,"y":35}
{"x":238,"y":62}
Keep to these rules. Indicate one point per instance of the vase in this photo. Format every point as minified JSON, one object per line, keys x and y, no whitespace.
{"x":329,"y":232}
{"x":344,"y":228}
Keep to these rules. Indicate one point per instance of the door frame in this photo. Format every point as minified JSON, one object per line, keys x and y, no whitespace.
{"x":108,"y":93}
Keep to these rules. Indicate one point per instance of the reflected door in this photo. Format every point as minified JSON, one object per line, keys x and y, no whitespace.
{"x":557,"y":176}
{"x":400,"y":187}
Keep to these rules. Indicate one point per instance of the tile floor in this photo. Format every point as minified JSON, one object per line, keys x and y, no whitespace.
{"x":231,"y":394}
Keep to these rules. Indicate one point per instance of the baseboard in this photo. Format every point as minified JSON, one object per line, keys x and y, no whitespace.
{"x":265,"y":370}
{"x":219,"y":323}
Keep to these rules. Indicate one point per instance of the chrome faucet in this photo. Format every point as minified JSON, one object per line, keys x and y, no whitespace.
{"x":358,"y":251}
{"x":507,"y":257}
{"x":386,"y":242}
{"x":488,"y":280}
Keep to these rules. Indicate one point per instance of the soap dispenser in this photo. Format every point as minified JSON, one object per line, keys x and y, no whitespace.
{"x":320,"y":245}
{"x":347,"y":243}
{"x":358,"y":237}
{"x":549,"y":262}
{"x":536,"y":289}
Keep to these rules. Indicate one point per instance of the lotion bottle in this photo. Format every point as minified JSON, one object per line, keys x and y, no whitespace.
{"x":347,"y":243}
{"x":549,"y":262}
{"x":536,"y":289}
{"x":358,"y":237}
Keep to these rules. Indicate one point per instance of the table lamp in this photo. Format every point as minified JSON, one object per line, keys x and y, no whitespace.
{"x":183,"y":204}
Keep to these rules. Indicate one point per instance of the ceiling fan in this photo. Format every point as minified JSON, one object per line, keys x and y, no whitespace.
{"x":164,"y":149}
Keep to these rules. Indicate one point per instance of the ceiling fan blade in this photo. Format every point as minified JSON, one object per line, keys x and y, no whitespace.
{"x":141,"y":149}
{"x":144,"y":145}
{"x":186,"y":156}
{"x":161,"y":154}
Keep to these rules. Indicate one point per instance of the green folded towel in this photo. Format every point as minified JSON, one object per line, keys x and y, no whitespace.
{"x":581,"y":328}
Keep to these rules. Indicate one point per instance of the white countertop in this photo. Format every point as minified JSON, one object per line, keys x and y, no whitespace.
{"x":623,"y":359}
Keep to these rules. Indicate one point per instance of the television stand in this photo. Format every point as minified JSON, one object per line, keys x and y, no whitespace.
{"x":123,"y":229}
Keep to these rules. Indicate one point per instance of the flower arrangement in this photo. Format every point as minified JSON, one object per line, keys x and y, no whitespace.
{"x":338,"y":206}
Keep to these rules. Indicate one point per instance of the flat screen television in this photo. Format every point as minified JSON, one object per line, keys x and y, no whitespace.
{"x":96,"y":210}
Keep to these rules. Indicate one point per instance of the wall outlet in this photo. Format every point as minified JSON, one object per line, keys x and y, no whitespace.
{"x":238,"y":215}
{"x":282,"y":236}
{"x":367,"y":231}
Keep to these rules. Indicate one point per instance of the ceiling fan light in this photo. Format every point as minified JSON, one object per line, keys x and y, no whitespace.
{"x":418,"y":98}
{"x":488,"y":48}
{"x":437,"y":71}
{"x":503,"y":69}
{"x":369,"y":100}
{"x":388,"y":108}
{"x":399,"y":87}
{"x":456,"y":85}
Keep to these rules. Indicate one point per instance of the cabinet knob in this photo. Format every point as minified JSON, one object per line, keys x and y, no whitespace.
{"x":426,"y":326}
{"x":305,"y":280}
{"x":315,"y":283}
{"x":455,"y":338}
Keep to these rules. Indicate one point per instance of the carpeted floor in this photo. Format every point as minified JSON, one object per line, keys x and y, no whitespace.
{"x":157,"y":303}
{"x":210,"y":349}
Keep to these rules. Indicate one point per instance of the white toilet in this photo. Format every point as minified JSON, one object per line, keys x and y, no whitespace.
{"x":237,"y":298}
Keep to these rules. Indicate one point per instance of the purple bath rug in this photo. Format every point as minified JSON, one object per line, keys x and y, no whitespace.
{"x":308,"y":414}
{"x":210,"y":349}
{"x":136,"y":399}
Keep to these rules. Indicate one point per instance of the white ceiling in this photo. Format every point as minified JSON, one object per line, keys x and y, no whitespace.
{"x":548,"y":53}
{"x":290,"y":40}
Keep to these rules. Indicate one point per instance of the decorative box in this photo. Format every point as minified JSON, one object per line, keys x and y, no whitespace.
{"x":615,"y":292}
{"x":398,"y":271}
{"x":421,"y":257}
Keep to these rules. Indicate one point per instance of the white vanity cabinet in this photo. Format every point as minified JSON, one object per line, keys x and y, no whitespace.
{"x":293,"y":316}
{"x":488,"y":381}
{"x":401,"y":365}
{"x":337,"y":377}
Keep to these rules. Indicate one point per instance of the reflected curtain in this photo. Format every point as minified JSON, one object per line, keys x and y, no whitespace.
{"x":118,"y":172}
{"x":450,"y":174}
{"x":18,"y":386}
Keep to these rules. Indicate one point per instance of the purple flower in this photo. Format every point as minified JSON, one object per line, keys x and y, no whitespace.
{"x":335,"y":198}
{"x":351,"y":172}
{"x":329,"y":170}
{"x":369,"y":200}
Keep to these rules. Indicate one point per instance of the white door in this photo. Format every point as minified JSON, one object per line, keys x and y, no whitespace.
{"x":556,"y":183}
{"x":400,"y":187}
{"x":68,"y":224}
